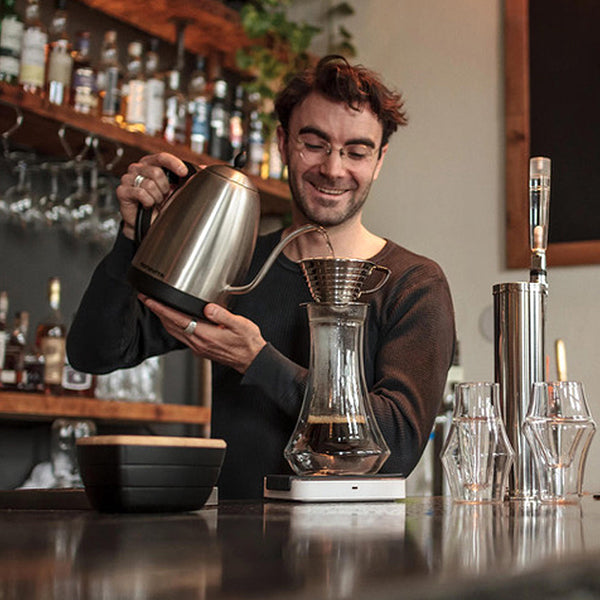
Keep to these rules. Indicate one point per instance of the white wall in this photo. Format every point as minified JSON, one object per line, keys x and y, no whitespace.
{"x":441,"y":191}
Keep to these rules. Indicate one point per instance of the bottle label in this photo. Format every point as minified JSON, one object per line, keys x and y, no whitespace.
{"x":54,"y":353}
{"x":155,"y":113}
{"x":11,"y":39}
{"x":136,"y":102}
{"x":8,"y":376}
{"x":110,"y":87}
{"x":33,"y":57}
{"x":200,"y":125}
{"x":76,"y":381}
{"x":84,"y":88}
{"x":60,"y":66}
{"x":236,"y":132}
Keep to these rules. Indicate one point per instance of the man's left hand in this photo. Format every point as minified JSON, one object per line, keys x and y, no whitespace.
{"x":225,"y":338}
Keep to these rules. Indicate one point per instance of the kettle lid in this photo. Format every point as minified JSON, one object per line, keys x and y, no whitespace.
{"x":233,"y":175}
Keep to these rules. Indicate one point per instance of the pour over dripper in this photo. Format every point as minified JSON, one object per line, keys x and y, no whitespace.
{"x":340,"y":280}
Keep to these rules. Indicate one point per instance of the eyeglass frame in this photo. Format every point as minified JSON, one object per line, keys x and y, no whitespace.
{"x":329,"y":148}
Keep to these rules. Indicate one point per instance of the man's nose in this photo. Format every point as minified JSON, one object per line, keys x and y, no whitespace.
{"x":333,"y":165}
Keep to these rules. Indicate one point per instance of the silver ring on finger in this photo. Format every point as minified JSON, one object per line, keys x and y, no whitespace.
{"x":191,"y":327}
{"x":139,"y":179}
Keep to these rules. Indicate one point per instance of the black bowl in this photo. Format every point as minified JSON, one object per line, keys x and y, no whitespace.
{"x":128,"y":473}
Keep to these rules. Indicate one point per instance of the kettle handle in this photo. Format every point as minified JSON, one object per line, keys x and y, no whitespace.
{"x":143,"y":218}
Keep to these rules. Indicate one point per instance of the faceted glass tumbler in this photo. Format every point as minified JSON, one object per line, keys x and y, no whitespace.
{"x":477,"y":455}
{"x":559,"y":429}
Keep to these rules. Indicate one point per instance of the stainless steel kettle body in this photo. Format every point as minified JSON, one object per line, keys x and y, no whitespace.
{"x":198,"y":250}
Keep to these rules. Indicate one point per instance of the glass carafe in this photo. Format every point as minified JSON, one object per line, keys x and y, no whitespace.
{"x":336,"y":432}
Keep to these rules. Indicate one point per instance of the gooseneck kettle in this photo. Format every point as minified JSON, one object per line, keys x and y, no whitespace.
{"x":199,"y":247}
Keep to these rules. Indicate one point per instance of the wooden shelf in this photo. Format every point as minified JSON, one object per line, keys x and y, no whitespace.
{"x":212,"y":26}
{"x":42,"y":122}
{"x":22,"y":406}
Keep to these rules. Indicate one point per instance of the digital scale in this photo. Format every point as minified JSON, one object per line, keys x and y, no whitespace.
{"x":335,"y":488}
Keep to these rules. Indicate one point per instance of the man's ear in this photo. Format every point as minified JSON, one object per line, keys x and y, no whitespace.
{"x":380,"y":161}
{"x":282,"y":144}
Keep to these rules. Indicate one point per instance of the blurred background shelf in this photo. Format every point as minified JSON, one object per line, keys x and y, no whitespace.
{"x":35,"y":407}
{"x":42,"y":122}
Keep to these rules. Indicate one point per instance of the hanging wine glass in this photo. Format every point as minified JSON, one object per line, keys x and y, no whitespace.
{"x":55,"y":210}
{"x":7,"y":162}
{"x":108,"y":216}
{"x":21,"y":204}
{"x":83,"y":201}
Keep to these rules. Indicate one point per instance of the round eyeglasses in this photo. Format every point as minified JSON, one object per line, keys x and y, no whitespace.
{"x":315,"y":150}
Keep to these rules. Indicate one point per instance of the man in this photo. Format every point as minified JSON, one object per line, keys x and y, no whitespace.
{"x":335,"y":126}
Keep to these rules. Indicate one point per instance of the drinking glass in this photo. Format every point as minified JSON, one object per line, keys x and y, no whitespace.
{"x":477,"y":455}
{"x":559,"y":428}
{"x":63,"y":451}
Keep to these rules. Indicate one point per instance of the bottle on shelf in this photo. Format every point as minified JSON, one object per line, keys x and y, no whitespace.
{"x":199,"y":108}
{"x":256,"y":140}
{"x":236,"y":122}
{"x":51,"y":340}
{"x":219,"y":146}
{"x":176,"y":106}
{"x":155,"y":91}
{"x":108,"y":78}
{"x":3,"y":328}
{"x":133,"y":91}
{"x":33,"y":367}
{"x":83,"y":81}
{"x":76,"y":383}
{"x":11,"y":41}
{"x":60,"y":60}
{"x":32,"y":69}
{"x":14,"y":355}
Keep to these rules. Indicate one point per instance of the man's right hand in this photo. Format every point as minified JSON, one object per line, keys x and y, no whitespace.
{"x":149,"y":191}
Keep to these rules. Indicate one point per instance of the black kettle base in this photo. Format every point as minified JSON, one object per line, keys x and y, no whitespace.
{"x":158,"y":290}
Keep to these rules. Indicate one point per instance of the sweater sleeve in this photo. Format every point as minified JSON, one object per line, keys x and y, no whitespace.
{"x":279,"y":378}
{"x":417,"y":337}
{"x":112,"y":329}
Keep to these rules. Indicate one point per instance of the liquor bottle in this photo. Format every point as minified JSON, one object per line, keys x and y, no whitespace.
{"x":33,"y":367}
{"x":199,"y":108}
{"x":14,"y":355}
{"x":11,"y":40}
{"x":108,"y":79}
{"x":133,"y":91}
{"x":256,"y":143}
{"x":3,"y":329}
{"x":275,"y":162}
{"x":83,"y":81}
{"x":155,"y":91}
{"x":236,"y":123}
{"x":32,"y":70}
{"x":60,"y":61}
{"x":219,"y":146}
{"x":76,"y":383}
{"x":51,"y":340}
{"x":176,"y":106}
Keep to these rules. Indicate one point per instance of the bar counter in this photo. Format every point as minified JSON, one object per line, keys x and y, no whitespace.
{"x":418,"y":548}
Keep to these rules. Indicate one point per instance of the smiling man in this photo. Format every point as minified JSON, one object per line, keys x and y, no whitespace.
{"x":335,"y":126}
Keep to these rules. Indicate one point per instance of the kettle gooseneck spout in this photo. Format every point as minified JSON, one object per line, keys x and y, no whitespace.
{"x":248,"y":287}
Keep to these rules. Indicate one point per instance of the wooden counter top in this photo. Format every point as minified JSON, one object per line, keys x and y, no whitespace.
{"x":420,"y":548}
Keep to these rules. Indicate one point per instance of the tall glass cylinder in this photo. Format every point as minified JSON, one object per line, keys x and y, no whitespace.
{"x":336,"y":432}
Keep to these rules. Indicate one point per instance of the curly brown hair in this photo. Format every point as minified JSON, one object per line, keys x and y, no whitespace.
{"x":335,"y":78}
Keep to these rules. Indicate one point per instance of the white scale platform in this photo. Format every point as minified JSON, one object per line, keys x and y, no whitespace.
{"x":335,"y":488}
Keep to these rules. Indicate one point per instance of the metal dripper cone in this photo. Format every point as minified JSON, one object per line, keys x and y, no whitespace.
{"x":340,"y":280}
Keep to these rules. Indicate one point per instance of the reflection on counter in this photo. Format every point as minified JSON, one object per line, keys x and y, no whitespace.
{"x":419,"y":548}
